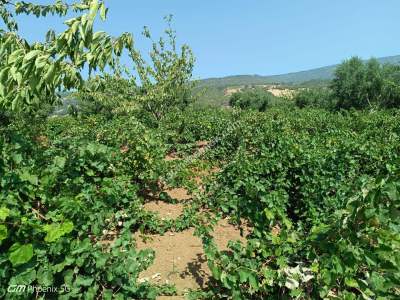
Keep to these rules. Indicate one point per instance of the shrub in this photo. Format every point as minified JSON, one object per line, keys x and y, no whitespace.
{"x":322,"y":207}
{"x":62,"y":190}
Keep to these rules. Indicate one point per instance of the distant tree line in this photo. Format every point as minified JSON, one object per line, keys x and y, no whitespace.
{"x":356,"y":85}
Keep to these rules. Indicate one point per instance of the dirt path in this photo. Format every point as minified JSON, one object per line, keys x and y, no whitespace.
{"x":179,"y":256}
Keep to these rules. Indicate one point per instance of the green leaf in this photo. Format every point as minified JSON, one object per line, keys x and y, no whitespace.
{"x":94,"y":7}
{"x":49,"y":76}
{"x":59,"y":161}
{"x":15,"y":56}
{"x":24,"y":278}
{"x":41,"y":61}
{"x":243,"y":275}
{"x":4,"y":75}
{"x":3,"y":233}
{"x":103,"y":12}
{"x":295,"y":293}
{"x":33,"y":179}
{"x":59,"y":267}
{"x":15,"y":103}
{"x":17,"y":158}
{"x":391,"y":191}
{"x":253,"y":282}
{"x":55,"y":231}
{"x":216,"y":272}
{"x":269,"y":214}
{"x":44,"y":276}
{"x":101,"y":259}
{"x":4,"y":213}
{"x":83,"y":281}
{"x":2,"y":90}
{"x":350,"y":282}
{"x":107,"y":294}
{"x":32,"y":54}
{"x":20,"y":254}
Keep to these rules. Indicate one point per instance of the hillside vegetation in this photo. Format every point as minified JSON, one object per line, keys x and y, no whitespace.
{"x":211,"y":91}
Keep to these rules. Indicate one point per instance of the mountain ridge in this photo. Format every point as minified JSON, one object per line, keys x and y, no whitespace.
{"x":316,"y":74}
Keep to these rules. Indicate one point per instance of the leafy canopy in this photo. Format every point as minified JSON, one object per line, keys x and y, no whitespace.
{"x":154,"y":87}
{"x":361,"y":85}
{"x":32,"y":73}
{"x":251,"y":98}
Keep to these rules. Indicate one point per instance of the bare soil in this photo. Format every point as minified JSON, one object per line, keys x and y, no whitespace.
{"x":164,"y":210}
{"x":179,"y":194}
{"x":273,"y":89}
{"x":180,"y":258}
{"x":171,"y":157}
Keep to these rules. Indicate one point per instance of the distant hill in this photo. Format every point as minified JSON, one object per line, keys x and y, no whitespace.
{"x":211,"y":91}
{"x":316,"y":75}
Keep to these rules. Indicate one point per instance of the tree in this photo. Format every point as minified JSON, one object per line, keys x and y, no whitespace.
{"x":33,"y":73}
{"x":154,"y":86}
{"x":252,"y":98}
{"x":163,"y":84}
{"x":360,"y":85}
{"x":313,"y":97}
{"x":391,"y":86}
{"x":348,"y":84}
{"x":107,"y":94}
{"x":166,"y":80}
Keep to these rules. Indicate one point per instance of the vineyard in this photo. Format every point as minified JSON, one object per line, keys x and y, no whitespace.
{"x":314,"y":194}
{"x":138,"y":193}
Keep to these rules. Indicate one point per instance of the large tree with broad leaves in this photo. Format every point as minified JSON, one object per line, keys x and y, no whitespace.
{"x":33,"y":73}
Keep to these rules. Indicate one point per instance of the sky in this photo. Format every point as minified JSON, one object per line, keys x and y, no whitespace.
{"x":265,"y":37}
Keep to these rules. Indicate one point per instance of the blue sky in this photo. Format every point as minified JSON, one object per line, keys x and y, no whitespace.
{"x":265,"y":37}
